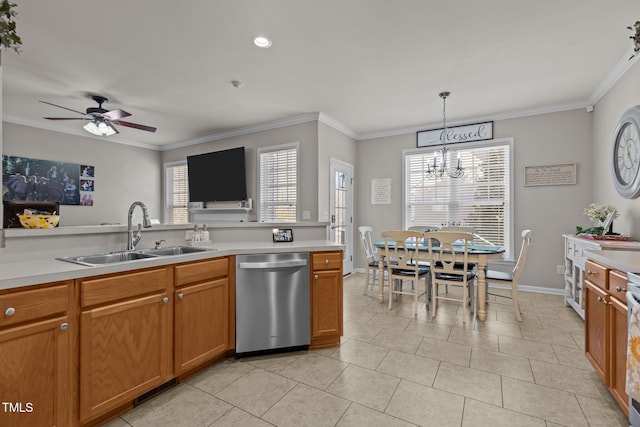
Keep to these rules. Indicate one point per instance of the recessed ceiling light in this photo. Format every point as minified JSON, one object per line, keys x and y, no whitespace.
{"x":261,"y":41}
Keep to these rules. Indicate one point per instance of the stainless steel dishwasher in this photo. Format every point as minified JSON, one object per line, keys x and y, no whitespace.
{"x":272,"y":301}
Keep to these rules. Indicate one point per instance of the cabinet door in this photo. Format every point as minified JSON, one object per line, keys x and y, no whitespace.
{"x":35,"y":369}
{"x":618,"y":375}
{"x":326,"y":304}
{"x":596,"y":327}
{"x":201,"y":323}
{"x":125,"y":351}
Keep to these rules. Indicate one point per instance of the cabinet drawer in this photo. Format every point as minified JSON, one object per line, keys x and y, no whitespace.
{"x":33,"y":304}
{"x":326,"y":261}
{"x":618,"y":285}
{"x":122,"y":286}
{"x":596,"y":274}
{"x":201,"y":270}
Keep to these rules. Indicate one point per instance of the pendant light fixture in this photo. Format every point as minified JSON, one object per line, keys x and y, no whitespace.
{"x":440,"y":166}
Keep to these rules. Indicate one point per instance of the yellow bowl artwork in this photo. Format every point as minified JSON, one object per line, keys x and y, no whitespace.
{"x":39,"y":221}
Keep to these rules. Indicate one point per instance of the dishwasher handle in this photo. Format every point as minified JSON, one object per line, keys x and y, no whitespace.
{"x":273,"y":264}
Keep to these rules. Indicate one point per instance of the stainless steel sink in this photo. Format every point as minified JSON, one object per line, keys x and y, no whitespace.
{"x":125,"y":256}
{"x":174,"y":250}
{"x":99,"y":259}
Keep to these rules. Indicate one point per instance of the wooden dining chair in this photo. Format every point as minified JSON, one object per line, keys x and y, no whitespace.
{"x":450,"y":266}
{"x":401,"y":255}
{"x":511,"y":278}
{"x":371,"y":258}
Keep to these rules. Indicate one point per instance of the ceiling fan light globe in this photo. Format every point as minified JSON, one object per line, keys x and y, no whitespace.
{"x":100,"y":128}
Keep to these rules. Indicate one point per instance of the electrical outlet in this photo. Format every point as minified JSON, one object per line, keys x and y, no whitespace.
{"x":306,"y":215}
{"x":560,"y":269}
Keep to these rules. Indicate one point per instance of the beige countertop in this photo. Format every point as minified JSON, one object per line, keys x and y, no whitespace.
{"x":45,"y":270}
{"x":623,"y":260}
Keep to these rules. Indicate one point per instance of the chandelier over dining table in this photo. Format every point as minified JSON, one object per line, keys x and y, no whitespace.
{"x":440,"y":167}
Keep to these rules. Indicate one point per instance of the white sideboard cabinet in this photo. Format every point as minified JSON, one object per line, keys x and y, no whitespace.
{"x":574,"y":261}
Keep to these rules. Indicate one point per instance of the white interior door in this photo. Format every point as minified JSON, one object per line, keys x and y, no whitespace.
{"x":341,"y":209}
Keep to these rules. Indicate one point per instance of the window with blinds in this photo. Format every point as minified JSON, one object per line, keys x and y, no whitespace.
{"x":278,"y":175}
{"x":481,"y":199}
{"x":176,"y":193}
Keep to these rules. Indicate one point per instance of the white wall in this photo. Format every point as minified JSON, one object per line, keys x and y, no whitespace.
{"x":306,"y":134}
{"x":548,"y":211}
{"x":123,"y":174}
{"x":607,"y":112}
{"x":331,"y":144}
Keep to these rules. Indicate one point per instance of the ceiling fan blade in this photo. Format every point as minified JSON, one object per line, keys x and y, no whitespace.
{"x":60,"y":106}
{"x":65,"y":118}
{"x":135,"y":126}
{"x":115,"y":114}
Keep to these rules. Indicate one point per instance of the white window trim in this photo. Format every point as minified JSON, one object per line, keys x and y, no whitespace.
{"x":165,"y":166}
{"x":462,"y":146}
{"x":269,"y":149}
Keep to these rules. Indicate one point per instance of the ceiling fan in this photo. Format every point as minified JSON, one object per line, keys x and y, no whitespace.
{"x":101,"y":121}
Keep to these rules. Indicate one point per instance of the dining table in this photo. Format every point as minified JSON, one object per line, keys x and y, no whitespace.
{"x":480,"y":255}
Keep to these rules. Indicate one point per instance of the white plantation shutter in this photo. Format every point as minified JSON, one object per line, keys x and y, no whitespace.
{"x":278,"y":175}
{"x":480,"y":199}
{"x":176,"y":193}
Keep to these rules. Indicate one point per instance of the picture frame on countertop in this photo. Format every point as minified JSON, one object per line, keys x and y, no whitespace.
{"x":282,"y":235}
{"x":606,"y":224}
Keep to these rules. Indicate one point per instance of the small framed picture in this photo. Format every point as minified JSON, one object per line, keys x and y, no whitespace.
{"x":282,"y":235}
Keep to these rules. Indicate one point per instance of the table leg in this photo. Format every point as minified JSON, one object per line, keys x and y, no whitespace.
{"x":381,"y":280}
{"x":482,"y":292}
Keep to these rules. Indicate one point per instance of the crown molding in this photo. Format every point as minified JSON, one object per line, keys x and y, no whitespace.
{"x":485,"y":118}
{"x":79,"y":132}
{"x":296,"y":120}
{"x":331,"y":122}
{"x":619,"y":70}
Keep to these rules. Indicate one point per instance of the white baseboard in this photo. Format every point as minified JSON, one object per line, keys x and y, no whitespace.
{"x":523,"y":288}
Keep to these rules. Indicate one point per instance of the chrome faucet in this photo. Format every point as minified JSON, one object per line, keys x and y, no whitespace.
{"x":133,"y":239}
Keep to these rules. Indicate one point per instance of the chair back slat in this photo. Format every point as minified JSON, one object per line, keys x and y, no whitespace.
{"x":522,"y":258}
{"x":401,"y":248}
{"x":366,"y":244}
{"x":443,"y":258}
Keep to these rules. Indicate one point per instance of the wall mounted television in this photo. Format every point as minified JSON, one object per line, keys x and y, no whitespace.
{"x":218,"y":176}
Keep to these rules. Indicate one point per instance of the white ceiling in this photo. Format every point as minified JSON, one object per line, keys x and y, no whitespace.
{"x":372,"y":66}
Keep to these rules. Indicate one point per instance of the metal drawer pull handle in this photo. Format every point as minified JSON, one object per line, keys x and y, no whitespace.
{"x":180,"y":295}
{"x":603,"y":301}
{"x":64,"y":326}
{"x":619,"y":289}
{"x":589,"y":272}
{"x":10,"y":311}
{"x":165,"y":300}
{"x":326,"y":261}
{"x":315,"y":277}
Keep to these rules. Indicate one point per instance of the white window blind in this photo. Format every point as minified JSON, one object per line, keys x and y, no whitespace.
{"x":176,"y":193}
{"x":278,"y":175}
{"x":480,"y":199}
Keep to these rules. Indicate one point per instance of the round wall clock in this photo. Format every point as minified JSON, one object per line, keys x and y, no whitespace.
{"x":625,"y":161}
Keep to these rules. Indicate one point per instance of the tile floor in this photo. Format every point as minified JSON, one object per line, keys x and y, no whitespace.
{"x":394,"y":370}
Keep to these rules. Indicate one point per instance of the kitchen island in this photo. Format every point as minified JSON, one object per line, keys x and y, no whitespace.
{"x":95,"y":340}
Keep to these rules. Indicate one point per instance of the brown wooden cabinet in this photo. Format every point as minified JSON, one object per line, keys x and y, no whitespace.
{"x":125,"y":338}
{"x":326,"y":299}
{"x":606,"y":327}
{"x":201,"y":318}
{"x":36,"y":375}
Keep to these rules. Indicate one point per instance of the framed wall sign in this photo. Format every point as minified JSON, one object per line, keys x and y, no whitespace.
{"x":560,"y":174}
{"x":282,"y":235}
{"x":456,"y":134}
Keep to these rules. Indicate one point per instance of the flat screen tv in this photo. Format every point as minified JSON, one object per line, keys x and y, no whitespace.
{"x":217,"y":177}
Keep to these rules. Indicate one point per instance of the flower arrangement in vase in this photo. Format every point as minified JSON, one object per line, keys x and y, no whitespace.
{"x":599,"y":214}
